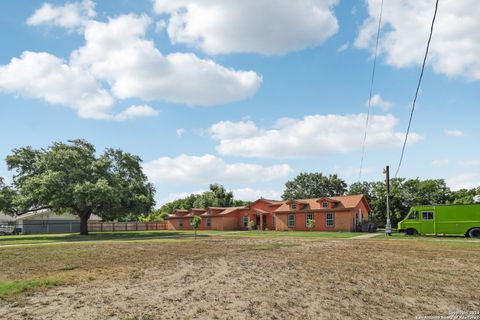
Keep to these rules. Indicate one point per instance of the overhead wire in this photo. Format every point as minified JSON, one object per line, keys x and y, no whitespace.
{"x":371,"y":92}
{"x":418,"y":88}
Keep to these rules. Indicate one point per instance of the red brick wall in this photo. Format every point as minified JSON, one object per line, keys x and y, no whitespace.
{"x":343,"y":221}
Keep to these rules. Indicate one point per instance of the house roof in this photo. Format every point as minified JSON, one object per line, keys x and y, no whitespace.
{"x":342,"y":202}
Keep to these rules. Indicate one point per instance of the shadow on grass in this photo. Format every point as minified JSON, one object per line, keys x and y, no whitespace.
{"x":96,"y":236}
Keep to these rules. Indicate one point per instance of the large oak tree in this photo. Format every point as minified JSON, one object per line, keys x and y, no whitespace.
{"x":70,"y":177}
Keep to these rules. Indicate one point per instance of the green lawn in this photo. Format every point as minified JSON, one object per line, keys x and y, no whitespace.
{"x":147,"y":235}
{"x":93,"y":236}
{"x":11,"y":288}
{"x":455,"y":240}
{"x":293,"y":234}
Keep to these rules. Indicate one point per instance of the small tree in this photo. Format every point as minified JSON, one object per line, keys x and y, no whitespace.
{"x":195,"y":223}
{"x":310,"y":224}
{"x":251,"y":225}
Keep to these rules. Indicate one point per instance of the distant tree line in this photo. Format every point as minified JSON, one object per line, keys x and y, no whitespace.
{"x":217,"y":196}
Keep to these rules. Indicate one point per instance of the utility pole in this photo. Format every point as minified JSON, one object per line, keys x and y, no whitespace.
{"x":388,"y":226}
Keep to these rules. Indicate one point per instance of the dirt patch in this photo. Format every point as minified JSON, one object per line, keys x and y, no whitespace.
{"x":250,"y":279}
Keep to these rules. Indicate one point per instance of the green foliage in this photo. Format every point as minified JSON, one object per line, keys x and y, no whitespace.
{"x":465,"y":196}
{"x":310,"y":224}
{"x":314,"y":185}
{"x":217,"y":196}
{"x":7,"y":199}
{"x":251,"y":225}
{"x":70,"y":177}
{"x":195,"y":222}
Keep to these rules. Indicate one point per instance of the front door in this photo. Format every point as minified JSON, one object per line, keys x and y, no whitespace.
{"x":257,"y":222}
{"x":428,"y":221}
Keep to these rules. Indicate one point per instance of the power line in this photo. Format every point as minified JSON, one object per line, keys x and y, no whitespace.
{"x":371,"y":91}
{"x":418,"y":88}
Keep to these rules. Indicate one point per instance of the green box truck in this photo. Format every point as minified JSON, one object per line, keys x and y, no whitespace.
{"x":443,"y":220}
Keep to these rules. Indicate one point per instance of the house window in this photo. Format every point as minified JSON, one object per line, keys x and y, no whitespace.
{"x":427,"y":215}
{"x":291,"y":220}
{"x":325,"y":204}
{"x":309,"y":216}
{"x":180,"y":223}
{"x":209,"y":221}
{"x":293,"y":206}
{"x":245,"y":221}
{"x":329,"y":219}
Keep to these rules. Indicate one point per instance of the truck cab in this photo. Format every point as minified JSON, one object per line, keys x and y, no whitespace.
{"x":411,"y":225}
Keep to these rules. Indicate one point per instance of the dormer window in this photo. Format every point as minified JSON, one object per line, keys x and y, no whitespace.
{"x":293,"y":206}
{"x":325,"y":204}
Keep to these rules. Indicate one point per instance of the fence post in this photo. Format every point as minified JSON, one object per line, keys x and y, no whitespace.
{"x":101,"y":226}
{"x":136,"y":226}
{"x":126,"y":226}
{"x":113,"y":226}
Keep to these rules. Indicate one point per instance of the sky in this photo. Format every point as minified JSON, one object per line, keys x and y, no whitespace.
{"x":247,"y":93}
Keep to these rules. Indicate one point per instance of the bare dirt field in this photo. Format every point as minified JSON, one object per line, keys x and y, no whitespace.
{"x":244,"y":278}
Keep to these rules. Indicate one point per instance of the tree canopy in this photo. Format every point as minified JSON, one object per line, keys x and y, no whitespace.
{"x":70,"y":177}
{"x":314,"y":185}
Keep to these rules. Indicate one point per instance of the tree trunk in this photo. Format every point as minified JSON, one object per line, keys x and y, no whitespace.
{"x":84,"y":216}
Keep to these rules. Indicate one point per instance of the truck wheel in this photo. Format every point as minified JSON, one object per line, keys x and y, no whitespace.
{"x":474,"y":233}
{"x":410,"y":232}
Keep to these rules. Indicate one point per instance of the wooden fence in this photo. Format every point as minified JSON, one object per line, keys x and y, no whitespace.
{"x":125,"y":226}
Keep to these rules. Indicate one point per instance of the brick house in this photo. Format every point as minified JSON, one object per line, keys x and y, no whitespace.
{"x":341,"y":213}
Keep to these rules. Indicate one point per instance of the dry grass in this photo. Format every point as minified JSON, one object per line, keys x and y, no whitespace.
{"x":228,"y":278}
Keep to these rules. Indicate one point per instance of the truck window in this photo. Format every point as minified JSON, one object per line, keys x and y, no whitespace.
{"x":427,"y":215}
{"x":413,"y":215}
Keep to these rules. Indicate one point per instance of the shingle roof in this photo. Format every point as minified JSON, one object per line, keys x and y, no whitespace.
{"x":343,"y":202}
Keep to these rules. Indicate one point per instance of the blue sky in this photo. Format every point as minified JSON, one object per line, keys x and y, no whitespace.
{"x":247,"y":94}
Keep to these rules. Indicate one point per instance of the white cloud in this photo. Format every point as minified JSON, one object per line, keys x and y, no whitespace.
{"x":210,"y":169}
{"x":440,"y":163}
{"x":44,"y":76}
{"x":249,"y":194}
{"x":315,"y":135}
{"x":180,"y":132}
{"x":71,"y":16}
{"x":468,"y":180}
{"x":469,"y":163}
{"x":344,"y":47}
{"x":133,"y":112}
{"x":259,"y":26}
{"x":454,"y":133}
{"x":377,"y":101}
{"x":118,"y":52}
{"x":117,"y":62}
{"x":455,"y":47}
{"x":175,"y":196}
{"x":229,"y":129}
